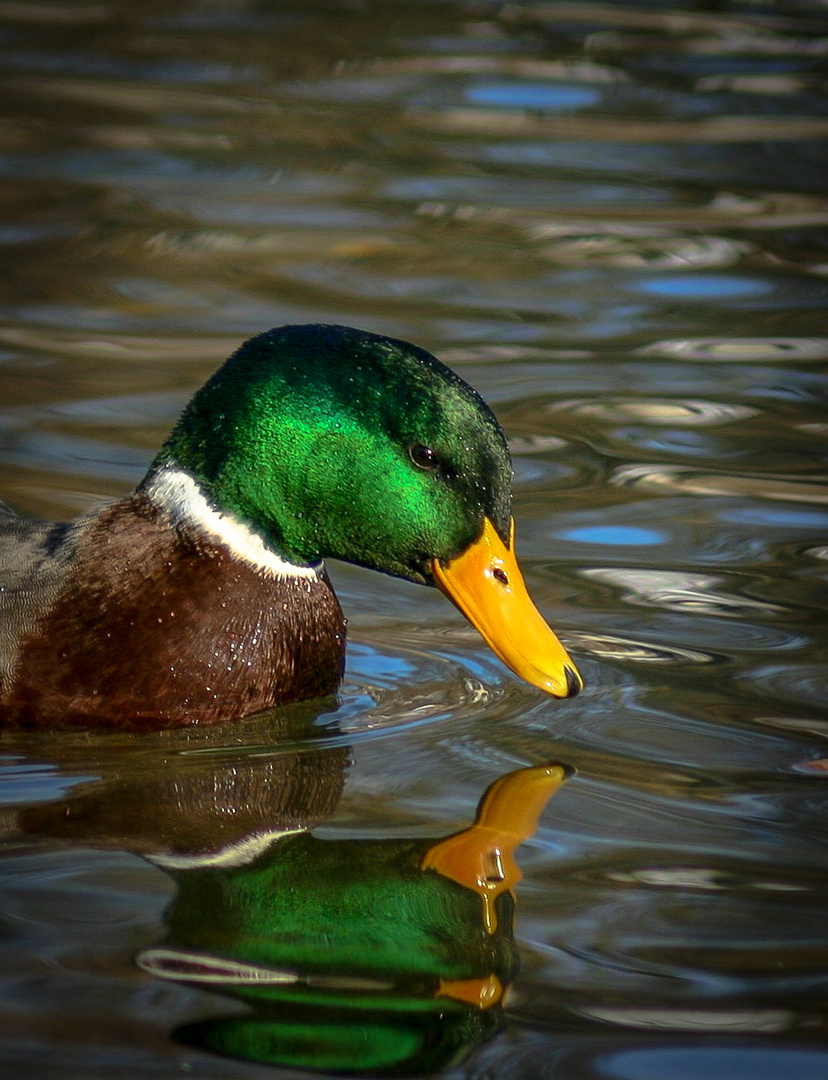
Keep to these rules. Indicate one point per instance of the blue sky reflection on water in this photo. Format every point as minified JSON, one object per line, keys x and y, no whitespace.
{"x":706,"y":286}
{"x":625,"y":535}
{"x":528,"y":95}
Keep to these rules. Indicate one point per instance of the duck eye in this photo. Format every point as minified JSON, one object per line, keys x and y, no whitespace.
{"x":423,"y":456}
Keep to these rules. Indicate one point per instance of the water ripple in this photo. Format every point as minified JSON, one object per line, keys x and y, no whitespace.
{"x":481,"y":122}
{"x":609,"y":647}
{"x":636,"y":247}
{"x":396,"y":681}
{"x":740,"y":350}
{"x":126,"y":348}
{"x":672,"y":478}
{"x":676,"y":590}
{"x":660,"y":411}
{"x":804,"y":682}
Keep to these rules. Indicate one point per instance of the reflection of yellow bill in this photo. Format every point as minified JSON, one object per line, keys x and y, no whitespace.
{"x":482,"y":857}
{"x":486,"y":584}
{"x":482,"y":993}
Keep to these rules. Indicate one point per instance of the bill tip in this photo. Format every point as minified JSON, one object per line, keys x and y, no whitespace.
{"x":574,"y":683}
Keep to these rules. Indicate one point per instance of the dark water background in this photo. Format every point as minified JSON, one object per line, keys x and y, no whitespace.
{"x":611,"y":219}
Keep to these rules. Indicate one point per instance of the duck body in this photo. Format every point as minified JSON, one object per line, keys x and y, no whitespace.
{"x":137,"y":616}
{"x":202,"y":596}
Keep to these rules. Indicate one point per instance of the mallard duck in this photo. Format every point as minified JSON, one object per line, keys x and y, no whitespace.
{"x":203,"y":597}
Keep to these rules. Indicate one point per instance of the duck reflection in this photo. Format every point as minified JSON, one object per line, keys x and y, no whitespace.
{"x":358,"y":956}
{"x":350,"y":955}
{"x":192,"y":802}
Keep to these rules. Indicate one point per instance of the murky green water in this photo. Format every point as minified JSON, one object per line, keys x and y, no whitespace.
{"x":611,"y":219}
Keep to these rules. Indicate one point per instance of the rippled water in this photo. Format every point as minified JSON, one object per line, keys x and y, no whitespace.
{"x":611,"y":219}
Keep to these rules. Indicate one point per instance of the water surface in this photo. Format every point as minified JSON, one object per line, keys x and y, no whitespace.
{"x":611,"y":219}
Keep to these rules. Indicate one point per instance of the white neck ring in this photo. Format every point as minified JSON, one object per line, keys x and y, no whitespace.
{"x":177,"y":495}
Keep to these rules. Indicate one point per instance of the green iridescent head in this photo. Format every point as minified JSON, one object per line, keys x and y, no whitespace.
{"x":333,"y":442}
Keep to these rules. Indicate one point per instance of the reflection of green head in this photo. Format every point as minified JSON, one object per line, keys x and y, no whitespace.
{"x":348,"y":953}
{"x":343,"y":1043}
{"x":359,"y":956}
{"x":330,"y":909}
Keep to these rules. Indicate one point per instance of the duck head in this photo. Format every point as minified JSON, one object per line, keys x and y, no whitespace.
{"x":330,"y":442}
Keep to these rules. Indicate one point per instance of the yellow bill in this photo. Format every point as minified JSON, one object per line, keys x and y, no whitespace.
{"x":486,"y":584}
